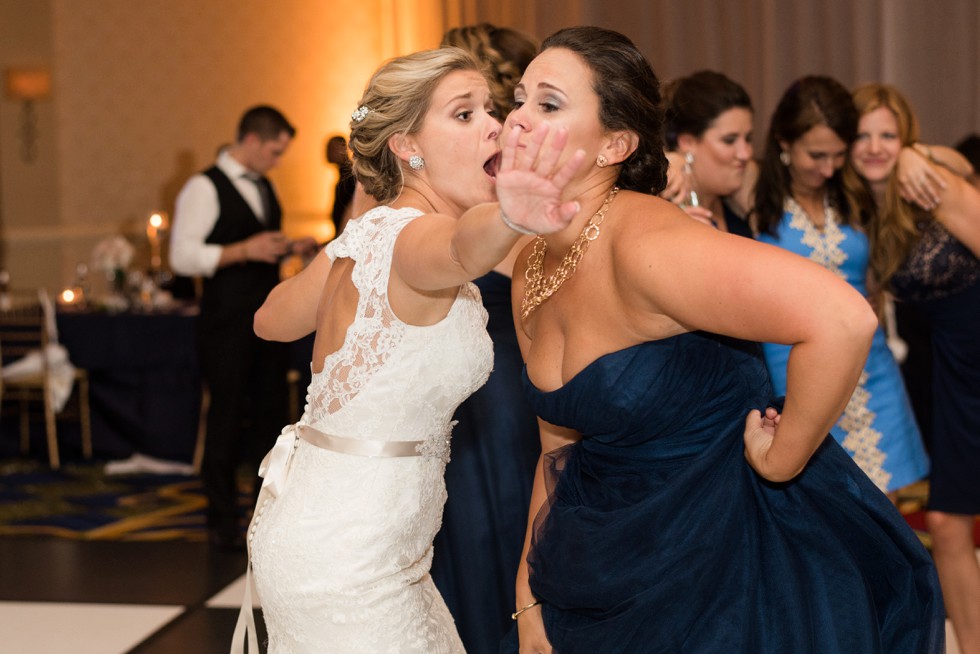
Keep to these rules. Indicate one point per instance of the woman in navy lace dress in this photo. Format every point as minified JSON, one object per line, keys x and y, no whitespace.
{"x":927,"y":256}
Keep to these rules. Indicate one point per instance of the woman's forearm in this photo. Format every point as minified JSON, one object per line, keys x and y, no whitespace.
{"x":821,"y":376}
{"x":538,"y":497}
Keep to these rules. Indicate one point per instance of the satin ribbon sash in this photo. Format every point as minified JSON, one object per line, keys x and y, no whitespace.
{"x":276,"y":463}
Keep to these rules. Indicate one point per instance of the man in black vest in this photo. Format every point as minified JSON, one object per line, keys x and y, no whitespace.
{"x":227,"y":230}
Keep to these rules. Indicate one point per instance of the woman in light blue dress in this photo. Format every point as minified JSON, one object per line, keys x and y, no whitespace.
{"x":801,"y":208}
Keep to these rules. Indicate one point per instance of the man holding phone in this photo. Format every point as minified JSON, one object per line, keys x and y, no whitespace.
{"x":227,"y":230}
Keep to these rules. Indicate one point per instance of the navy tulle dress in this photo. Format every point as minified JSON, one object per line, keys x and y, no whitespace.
{"x":495,"y":447}
{"x":659,"y":537}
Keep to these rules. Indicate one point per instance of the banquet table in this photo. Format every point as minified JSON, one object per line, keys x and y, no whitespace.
{"x":144,"y":381}
{"x":144,"y":378}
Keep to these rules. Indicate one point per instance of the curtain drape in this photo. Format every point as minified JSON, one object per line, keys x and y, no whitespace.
{"x":928,"y":49}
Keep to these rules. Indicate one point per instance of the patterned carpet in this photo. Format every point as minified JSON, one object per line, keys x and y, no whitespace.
{"x":81,"y":502}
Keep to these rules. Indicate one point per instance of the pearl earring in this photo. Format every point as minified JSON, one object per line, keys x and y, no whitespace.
{"x":784,"y":158}
{"x":415,"y":162}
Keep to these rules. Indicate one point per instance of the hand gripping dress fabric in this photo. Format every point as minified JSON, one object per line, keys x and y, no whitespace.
{"x":341,"y":552}
{"x":657,"y":535}
{"x":878,"y":427}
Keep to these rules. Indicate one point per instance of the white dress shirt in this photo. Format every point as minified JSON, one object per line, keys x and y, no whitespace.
{"x":196,"y":212}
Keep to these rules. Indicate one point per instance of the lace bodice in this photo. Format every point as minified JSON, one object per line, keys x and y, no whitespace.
{"x":938,"y":266}
{"x":391,"y":380}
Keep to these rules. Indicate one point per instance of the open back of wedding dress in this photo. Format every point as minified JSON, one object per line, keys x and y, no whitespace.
{"x":341,"y":550}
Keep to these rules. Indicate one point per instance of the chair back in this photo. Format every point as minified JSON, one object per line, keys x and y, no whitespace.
{"x":23,"y":325}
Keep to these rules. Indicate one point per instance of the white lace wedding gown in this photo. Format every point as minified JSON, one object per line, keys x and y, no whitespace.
{"x":341,"y":553}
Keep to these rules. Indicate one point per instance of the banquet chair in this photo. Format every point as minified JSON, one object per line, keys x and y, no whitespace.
{"x":26,"y":361}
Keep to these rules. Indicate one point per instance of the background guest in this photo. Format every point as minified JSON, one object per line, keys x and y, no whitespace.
{"x":927,"y":256}
{"x":343,"y":192}
{"x":708,"y":121}
{"x":495,"y":445}
{"x":969,"y":147}
{"x":802,"y":208}
{"x":226,"y":229}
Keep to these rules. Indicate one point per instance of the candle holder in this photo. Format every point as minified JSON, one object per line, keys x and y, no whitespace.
{"x":155,"y":226}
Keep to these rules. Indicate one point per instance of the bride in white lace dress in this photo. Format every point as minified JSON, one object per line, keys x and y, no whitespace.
{"x":341,"y":539}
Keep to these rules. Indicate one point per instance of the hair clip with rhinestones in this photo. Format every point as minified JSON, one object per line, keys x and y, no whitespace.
{"x":360,"y":114}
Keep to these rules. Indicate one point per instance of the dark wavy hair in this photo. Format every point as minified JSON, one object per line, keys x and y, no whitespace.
{"x":808,"y":102}
{"x":692,"y":103}
{"x":629,"y":99}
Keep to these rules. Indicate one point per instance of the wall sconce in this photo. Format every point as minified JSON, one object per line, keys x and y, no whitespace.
{"x":28,"y":85}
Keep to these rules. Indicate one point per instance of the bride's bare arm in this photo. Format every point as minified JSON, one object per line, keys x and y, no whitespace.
{"x":289,"y":312}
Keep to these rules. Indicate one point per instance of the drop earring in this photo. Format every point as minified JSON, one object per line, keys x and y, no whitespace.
{"x":415,"y":162}
{"x":688,"y":162}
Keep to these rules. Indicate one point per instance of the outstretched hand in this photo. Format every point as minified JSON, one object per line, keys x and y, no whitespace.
{"x":532,"y":178}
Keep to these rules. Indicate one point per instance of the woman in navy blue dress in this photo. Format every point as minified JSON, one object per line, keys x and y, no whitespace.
{"x":927,"y":255}
{"x":672,"y":510}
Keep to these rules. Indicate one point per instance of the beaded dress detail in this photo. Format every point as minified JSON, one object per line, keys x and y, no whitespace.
{"x":341,"y":555}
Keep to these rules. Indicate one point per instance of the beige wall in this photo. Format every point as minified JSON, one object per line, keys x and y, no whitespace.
{"x":145,"y":91}
{"x":30,"y":238}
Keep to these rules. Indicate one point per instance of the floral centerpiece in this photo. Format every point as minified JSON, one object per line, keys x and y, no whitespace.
{"x":112,"y":255}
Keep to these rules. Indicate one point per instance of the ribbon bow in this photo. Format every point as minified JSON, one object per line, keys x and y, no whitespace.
{"x":275,"y":464}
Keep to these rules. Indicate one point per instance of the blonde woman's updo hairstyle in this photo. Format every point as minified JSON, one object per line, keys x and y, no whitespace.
{"x":396,"y":101}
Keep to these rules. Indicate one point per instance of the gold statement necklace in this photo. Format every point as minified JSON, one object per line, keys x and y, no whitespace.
{"x":538,"y":289}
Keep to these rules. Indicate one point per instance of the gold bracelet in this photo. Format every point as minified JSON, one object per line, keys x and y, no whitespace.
{"x":515,"y":614}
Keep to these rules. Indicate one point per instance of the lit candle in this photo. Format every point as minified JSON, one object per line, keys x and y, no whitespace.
{"x":153,"y":227}
{"x":68,"y":296}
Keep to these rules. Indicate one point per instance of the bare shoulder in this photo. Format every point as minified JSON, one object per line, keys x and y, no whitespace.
{"x":646,"y":225}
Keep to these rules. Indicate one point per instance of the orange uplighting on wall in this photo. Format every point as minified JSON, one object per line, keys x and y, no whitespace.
{"x":28,"y":83}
